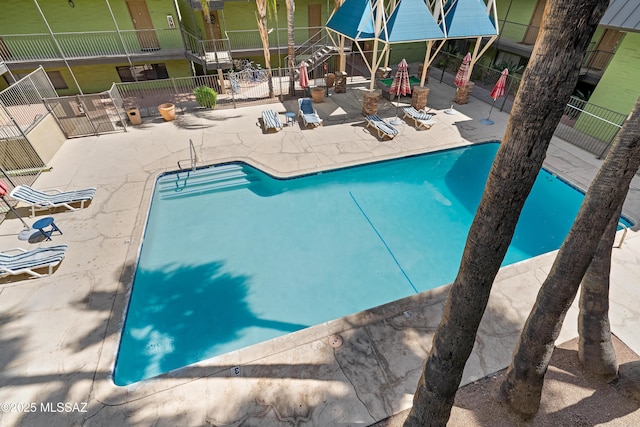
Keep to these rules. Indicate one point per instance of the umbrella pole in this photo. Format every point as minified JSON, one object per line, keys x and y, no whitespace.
{"x":13,"y":211}
{"x":28,"y":231}
{"x":396,"y":120}
{"x":488,"y":121}
{"x":450,"y":110}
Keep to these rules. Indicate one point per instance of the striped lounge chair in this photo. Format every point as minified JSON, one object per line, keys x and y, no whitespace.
{"x":381,"y":127}
{"x":421,"y":120}
{"x":53,"y":199}
{"x":271,"y":120}
{"x":25,"y":262}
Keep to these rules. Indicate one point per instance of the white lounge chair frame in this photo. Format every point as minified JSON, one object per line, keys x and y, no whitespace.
{"x":421,"y":120}
{"x":381,"y":127}
{"x":25,"y":262}
{"x":309,"y":114}
{"x":271,"y":120}
{"x":40,"y":200}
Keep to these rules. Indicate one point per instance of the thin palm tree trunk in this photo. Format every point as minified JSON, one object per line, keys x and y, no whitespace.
{"x":522,"y":387}
{"x":545,"y":88}
{"x":595,"y":349}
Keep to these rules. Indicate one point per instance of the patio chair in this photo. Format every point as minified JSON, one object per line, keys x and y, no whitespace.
{"x":55,"y":198}
{"x":271,"y":120}
{"x":308,"y":113}
{"x":25,"y":262}
{"x":382,"y":128}
{"x":421,"y":120}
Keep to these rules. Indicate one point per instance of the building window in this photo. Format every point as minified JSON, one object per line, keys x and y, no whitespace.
{"x":57,"y":80}
{"x":54,"y":76}
{"x":143,"y":72}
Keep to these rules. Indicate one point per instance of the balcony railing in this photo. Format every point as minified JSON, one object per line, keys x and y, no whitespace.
{"x":597,"y":60}
{"x":208,"y":52}
{"x":16,"y":48}
{"x":240,"y":40}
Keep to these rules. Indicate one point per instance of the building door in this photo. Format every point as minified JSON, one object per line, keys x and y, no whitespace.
{"x":214,"y":42}
{"x":142,"y":21}
{"x":605,"y":49}
{"x":314,"y":12}
{"x":533,"y":29}
{"x":213,"y":26}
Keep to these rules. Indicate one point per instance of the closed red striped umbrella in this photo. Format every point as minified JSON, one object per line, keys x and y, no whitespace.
{"x":400,"y":84}
{"x":461,"y":77}
{"x":498,"y":89}
{"x":304,"y":75}
{"x":497,"y":92}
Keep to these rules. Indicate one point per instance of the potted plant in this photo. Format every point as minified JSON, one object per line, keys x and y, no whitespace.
{"x":167,"y":111}
{"x":206,"y":97}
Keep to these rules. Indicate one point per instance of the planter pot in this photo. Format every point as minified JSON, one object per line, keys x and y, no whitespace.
{"x":167,"y":111}
{"x":317,"y":94}
{"x":329,"y":79}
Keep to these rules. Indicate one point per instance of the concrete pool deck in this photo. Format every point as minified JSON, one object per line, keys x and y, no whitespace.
{"x":59,"y":335}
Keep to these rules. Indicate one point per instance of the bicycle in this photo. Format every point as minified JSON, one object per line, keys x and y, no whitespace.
{"x":248,"y":72}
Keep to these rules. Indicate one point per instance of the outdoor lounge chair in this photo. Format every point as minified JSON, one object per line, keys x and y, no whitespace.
{"x":421,"y":120}
{"x":382,"y":128}
{"x":308,"y":113}
{"x":27,"y":261}
{"x":271,"y":120}
{"x":56,"y":198}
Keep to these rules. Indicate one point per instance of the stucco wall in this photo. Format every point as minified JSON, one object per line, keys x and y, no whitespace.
{"x":46,"y":138}
{"x":22,"y":17}
{"x":520,"y":11}
{"x":618,"y":89}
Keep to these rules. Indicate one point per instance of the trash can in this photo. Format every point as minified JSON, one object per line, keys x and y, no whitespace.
{"x":134,"y":116}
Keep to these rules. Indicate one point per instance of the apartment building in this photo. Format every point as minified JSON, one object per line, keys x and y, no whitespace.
{"x":86,"y":45}
{"x":611,"y":69}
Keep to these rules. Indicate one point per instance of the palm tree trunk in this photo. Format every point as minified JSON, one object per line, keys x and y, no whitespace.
{"x":545,"y":88}
{"x":595,"y":349}
{"x":291,"y":45}
{"x":522,"y":386}
{"x":261,"y":18}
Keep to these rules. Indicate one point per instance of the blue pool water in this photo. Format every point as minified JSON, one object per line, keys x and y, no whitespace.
{"x":232,"y":257}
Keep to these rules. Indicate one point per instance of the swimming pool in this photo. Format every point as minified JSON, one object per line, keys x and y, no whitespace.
{"x":232,"y":257}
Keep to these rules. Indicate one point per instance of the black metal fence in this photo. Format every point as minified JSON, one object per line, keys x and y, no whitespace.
{"x":589,"y":126}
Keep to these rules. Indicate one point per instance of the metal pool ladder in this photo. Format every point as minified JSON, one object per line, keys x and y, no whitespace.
{"x":624,"y":234}
{"x":193,"y":157}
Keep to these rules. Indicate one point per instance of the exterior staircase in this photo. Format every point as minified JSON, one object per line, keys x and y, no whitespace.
{"x":315,"y":52}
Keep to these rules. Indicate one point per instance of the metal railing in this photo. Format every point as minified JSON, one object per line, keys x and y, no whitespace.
{"x":240,"y":40}
{"x":482,"y":76}
{"x":588,"y":126}
{"x":21,"y":109}
{"x":22,"y":106}
{"x":200,"y":47}
{"x":232,"y":91}
{"x":625,"y":229}
{"x":15,"y":48}
{"x":597,"y":59}
{"x":78,"y":45}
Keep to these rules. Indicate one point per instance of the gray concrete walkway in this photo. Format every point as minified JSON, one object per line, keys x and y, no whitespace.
{"x":59,"y":335}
